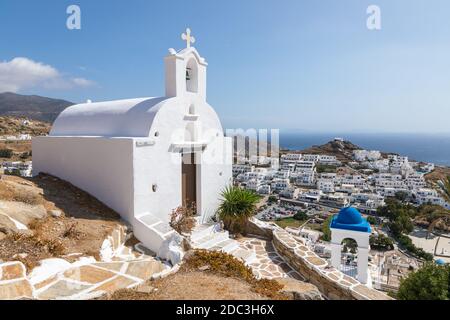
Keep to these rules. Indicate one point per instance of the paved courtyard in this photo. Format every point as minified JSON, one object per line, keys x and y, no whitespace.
{"x":57,"y":279}
{"x":268,"y":264}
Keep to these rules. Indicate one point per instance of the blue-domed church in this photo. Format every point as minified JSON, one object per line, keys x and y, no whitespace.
{"x":349,"y":223}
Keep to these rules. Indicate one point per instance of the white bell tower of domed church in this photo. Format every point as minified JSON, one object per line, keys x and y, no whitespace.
{"x":185,"y":71}
{"x":349,"y":224}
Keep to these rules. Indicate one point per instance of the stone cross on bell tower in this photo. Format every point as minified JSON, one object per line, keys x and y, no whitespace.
{"x":188,"y":38}
{"x":185,"y":71}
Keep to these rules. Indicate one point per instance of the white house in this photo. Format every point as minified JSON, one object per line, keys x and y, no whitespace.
{"x":242,"y":168}
{"x":425,"y":195}
{"x":264,"y":189}
{"x":291,"y":158}
{"x":325,"y":185}
{"x":361,"y":155}
{"x":290,"y":192}
{"x":144,"y":157}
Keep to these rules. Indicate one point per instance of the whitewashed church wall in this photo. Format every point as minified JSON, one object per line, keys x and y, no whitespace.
{"x":216,"y":174}
{"x":100,"y":166}
{"x":155,"y":167}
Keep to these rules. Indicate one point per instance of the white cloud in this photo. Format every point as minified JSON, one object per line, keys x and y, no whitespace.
{"x":22,"y":73}
{"x":81,"y":82}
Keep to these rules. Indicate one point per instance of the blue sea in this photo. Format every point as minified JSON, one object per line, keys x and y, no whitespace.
{"x":419,"y":147}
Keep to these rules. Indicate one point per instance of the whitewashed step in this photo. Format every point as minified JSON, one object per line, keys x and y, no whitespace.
{"x":226,"y":246}
{"x":201,"y":231}
{"x":211,"y":240}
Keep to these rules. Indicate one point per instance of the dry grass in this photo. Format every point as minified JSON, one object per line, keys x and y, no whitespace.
{"x":182,"y":219}
{"x":193,"y":285}
{"x":72,"y":232}
{"x":226,"y":265}
{"x":29,"y":249}
{"x":207,"y":275}
{"x":82,"y":227}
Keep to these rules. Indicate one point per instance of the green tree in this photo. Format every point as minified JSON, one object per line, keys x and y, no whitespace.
{"x":401,"y":196}
{"x":272,"y":199}
{"x":237,"y":206}
{"x":431,"y":282}
{"x":300,"y":215}
{"x":372,"y":220}
{"x":381,"y":242}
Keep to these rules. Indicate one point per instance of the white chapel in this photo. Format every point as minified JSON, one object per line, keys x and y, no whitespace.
{"x":144,"y":157}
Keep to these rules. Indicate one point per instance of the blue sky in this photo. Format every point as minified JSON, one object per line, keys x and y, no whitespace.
{"x":291,"y":64}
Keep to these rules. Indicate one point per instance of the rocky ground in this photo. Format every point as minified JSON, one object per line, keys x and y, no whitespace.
{"x":45,"y":217}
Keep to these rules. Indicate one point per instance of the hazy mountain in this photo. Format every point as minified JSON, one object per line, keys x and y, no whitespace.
{"x":33,"y":107}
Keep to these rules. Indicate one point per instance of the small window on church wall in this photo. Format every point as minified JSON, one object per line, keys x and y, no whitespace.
{"x":192,"y":76}
{"x":192,"y":109}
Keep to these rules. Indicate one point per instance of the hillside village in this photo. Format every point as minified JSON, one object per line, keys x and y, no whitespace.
{"x":359,"y":177}
{"x":305,"y":189}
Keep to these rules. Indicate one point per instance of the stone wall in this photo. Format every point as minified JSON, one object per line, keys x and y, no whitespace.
{"x":259,"y":228}
{"x":331,"y":282}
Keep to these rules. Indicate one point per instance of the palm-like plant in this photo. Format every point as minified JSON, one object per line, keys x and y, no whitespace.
{"x":237,"y":206}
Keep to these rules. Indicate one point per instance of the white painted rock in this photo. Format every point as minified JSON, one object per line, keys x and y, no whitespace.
{"x":172,"y":249}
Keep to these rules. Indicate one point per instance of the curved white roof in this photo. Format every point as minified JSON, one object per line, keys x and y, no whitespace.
{"x":119,"y":118}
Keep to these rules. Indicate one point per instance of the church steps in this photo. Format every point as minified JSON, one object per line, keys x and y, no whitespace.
{"x":202,"y":230}
{"x":211,"y":240}
{"x":226,"y":246}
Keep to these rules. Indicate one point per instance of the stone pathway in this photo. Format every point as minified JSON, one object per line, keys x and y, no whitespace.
{"x":267,"y":264}
{"x":58,"y":279}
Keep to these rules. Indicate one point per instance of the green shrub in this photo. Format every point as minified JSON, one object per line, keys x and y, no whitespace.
{"x":326,"y":229}
{"x":237,"y":206}
{"x":431,"y":282}
{"x":372,"y":220}
{"x":381,"y":242}
{"x":224,"y":264}
{"x":301,"y":216}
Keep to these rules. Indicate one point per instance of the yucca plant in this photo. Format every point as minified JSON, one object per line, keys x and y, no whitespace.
{"x":237,"y":206}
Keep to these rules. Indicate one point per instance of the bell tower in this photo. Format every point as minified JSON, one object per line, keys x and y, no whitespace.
{"x":185,"y":70}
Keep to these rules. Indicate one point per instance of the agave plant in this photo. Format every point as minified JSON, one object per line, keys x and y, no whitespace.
{"x":236,"y":207}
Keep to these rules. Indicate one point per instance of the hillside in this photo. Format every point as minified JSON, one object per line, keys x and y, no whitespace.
{"x":27,"y":210}
{"x":19,"y":125}
{"x":33,"y":107}
{"x":19,"y":150}
{"x":342,"y":150}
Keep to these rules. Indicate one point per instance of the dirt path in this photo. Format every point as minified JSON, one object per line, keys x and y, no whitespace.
{"x":193,"y":286}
